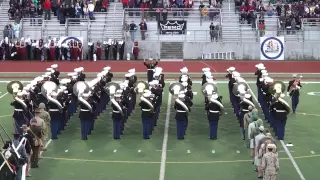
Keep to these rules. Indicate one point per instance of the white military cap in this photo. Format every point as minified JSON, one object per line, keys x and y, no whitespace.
{"x":76,"y":70}
{"x":184,"y":70}
{"x":158,"y":70}
{"x":54,"y":66}
{"x":53,"y":93}
{"x":117,"y":95}
{"x":259,"y":65}
{"x":181,"y":95}
{"x":85,"y":94}
{"x":240,"y":79}
{"x":107,"y":68}
{"x":39,"y":78}
{"x":81,"y":69}
{"x":63,"y":88}
{"x":214,"y":96}
{"x":231,"y":69}
{"x":65,"y":81}
{"x":49,"y":69}
{"x":184,"y":84}
{"x":261,"y":128}
{"x":205,"y":70}
{"x":20,"y":93}
{"x":128,"y":75}
{"x":247,"y":96}
{"x":74,"y":77}
{"x":48,"y":73}
{"x":104,"y":72}
{"x":52,"y":71}
{"x":147,"y":94}
{"x":262,"y":68}
{"x":132,"y":70}
{"x":294,"y":75}
{"x":100,"y":75}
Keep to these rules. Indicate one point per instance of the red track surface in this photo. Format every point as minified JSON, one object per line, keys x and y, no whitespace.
{"x":193,"y":66}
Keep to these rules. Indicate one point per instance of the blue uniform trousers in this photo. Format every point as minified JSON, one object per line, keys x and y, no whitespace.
{"x":116,"y":129}
{"x":281,"y":129}
{"x":145,"y":127}
{"x":91,"y":125}
{"x":230,"y":95}
{"x":181,"y":124}
{"x":54,"y":126}
{"x":259,"y":95}
{"x":213,"y":126}
{"x":18,"y":122}
{"x":242,"y":123}
{"x":70,"y":110}
{"x":150,"y":124}
{"x":295,"y":102}
{"x":84,"y":128}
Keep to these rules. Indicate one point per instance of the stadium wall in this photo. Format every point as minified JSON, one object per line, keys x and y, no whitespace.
{"x":246,"y":50}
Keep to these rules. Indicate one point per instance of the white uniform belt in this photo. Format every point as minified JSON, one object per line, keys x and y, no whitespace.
{"x":70,"y":94}
{"x":214,"y":111}
{"x":245,"y":110}
{"x":116,"y":111}
{"x":146,"y":109}
{"x":150,"y":69}
{"x":18,"y":109}
{"x":84,"y":110}
{"x":280,"y":110}
{"x":39,"y":93}
{"x":53,"y":109}
{"x":181,"y":111}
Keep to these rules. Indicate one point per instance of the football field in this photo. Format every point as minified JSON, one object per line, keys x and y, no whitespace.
{"x":164,"y":157}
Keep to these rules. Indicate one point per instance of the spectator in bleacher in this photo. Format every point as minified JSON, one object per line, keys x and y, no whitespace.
{"x":11,"y":12}
{"x":85,"y":11}
{"x":17,"y":15}
{"x":78,"y":10}
{"x":105,"y":4}
{"x":126,"y":30}
{"x":143,"y":29}
{"x":40,"y":13}
{"x":63,"y":14}
{"x":213,"y":32}
{"x":165,"y":14}
{"x":293,"y":25}
{"x":91,"y":9}
{"x":47,"y":9}
{"x":270,"y":10}
{"x":72,"y":11}
{"x":125,"y":3}
{"x":278,"y":9}
{"x":32,"y":13}
{"x":6,"y":31}
{"x":201,"y":6}
{"x":16,"y":29}
{"x":261,"y":29}
{"x":133,"y":29}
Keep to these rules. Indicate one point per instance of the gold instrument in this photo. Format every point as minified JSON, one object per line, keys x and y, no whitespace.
{"x":208,"y":89}
{"x":47,"y":88}
{"x":14,"y":86}
{"x":80,"y":88}
{"x":111,"y":88}
{"x":277,"y":89}
{"x":140,"y":86}
{"x":295,"y":84}
{"x":239,"y":87}
{"x":175,"y":88}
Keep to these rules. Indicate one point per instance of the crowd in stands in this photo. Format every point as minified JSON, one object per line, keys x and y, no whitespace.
{"x":61,"y":9}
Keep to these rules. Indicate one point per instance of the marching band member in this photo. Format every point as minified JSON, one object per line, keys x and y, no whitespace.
{"x":230,"y":70}
{"x":117,"y":115}
{"x":132,"y":80}
{"x":14,"y":51}
{"x":81,"y":75}
{"x":20,"y":109}
{"x":181,"y":115}
{"x":204,"y":76}
{"x":159,"y":76}
{"x":151,"y":65}
{"x":282,"y":109}
{"x":157,"y":91}
{"x":184,"y":72}
{"x":214,"y":110}
{"x":55,"y":109}
{"x":293,"y":91}
{"x":85,"y":115}
{"x":146,"y":114}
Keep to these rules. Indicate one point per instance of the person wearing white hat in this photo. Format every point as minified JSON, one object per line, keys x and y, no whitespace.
{"x":117,"y":115}
{"x":146,"y":114}
{"x":159,"y":76}
{"x":257,"y":160}
{"x":132,"y":71}
{"x":19,"y":111}
{"x":151,"y":65}
{"x":182,"y":110}
{"x":293,"y":90}
{"x":185,"y":78}
{"x":214,"y":108}
{"x":86,"y":115}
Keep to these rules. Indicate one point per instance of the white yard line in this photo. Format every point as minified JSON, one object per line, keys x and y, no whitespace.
{"x":46,"y":146}
{"x":165,"y":141}
{"x":6,"y":115}
{"x":282,"y":143}
{"x":3,"y":95}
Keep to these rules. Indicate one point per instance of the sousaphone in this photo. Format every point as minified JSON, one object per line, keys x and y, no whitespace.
{"x":237,"y":88}
{"x":175,"y":88}
{"x":80,"y":87}
{"x":48,"y":87}
{"x":111,"y":88}
{"x":140,"y":86}
{"x":277,"y":88}
{"x":209,"y":87}
{"x":14,"y":86}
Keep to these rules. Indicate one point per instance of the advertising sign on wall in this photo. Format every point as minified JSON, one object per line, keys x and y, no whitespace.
{"x":172,"y":26}
{"x":271,"y":48}
{"x":66,"y":39}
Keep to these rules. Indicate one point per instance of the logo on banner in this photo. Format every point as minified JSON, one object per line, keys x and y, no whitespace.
{"x":272,"y":48}
{"x":66,"y":40}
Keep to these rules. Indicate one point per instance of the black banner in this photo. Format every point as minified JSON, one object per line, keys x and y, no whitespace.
{"x":171,"y":26}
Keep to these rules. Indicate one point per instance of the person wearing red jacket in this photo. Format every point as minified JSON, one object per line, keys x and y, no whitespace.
{"x":47,"y":10}
{"x":125,"y":3}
